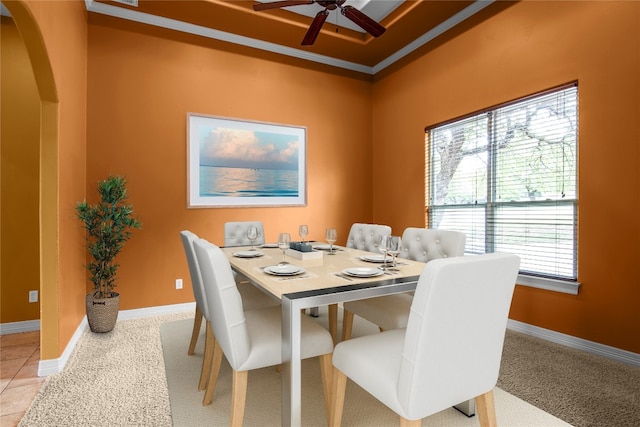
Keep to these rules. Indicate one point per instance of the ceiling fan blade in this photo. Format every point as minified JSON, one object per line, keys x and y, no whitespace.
{"x":315,"y":27}
{"x":363,"y":21}
{"x":278,"y":4}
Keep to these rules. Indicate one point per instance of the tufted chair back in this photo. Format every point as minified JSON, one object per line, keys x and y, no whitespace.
{"x":365,"y":236}
{"x":235,"y":233}
{"x":426,"y":244}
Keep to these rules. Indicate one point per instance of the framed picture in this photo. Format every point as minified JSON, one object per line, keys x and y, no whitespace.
{"x":241,"y":163}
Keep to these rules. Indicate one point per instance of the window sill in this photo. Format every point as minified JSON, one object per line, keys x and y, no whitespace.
{"x":549,"y":284}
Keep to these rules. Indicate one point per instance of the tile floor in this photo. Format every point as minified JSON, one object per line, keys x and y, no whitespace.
{"x":19,"y":382}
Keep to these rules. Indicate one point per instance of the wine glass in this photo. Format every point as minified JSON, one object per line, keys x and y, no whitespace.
{"x":331,"y":235}
{"x":284,"y":242}
{"x":303,"y":231}
{"x":252,"y":235}
{"x":383,"y":244}
{"x":393,"y":248}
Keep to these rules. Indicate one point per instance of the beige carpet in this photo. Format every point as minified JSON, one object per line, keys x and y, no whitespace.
{"x":111,"y":379}
{"x":263,"y":394}
{"x":119,"y":379}
{"x":584,"y":389}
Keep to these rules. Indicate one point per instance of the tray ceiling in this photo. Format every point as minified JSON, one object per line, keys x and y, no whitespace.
{"x":410,"y":25}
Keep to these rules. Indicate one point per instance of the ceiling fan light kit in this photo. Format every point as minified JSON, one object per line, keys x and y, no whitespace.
{"x":350,"y":12}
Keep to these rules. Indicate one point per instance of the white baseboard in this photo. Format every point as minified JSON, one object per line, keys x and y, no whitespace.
{"x":54,"y":366}
{"x":16,"y":327}
{"x":609,"y":352}
{"x":156,"y":311}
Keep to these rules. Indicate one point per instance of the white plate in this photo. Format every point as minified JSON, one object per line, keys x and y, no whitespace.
{"x":284,"y":270}
{"x":325,"y":247}
{"x":269,"y":245}
{"x":362,"y":272}
{"x":375,"y":258}
{"x":247,"y":254}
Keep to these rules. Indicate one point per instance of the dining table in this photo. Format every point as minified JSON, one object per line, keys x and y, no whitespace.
{"x":314,"y":279}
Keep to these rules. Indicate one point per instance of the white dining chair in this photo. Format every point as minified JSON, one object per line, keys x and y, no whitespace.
{"x":235,"y":233}
{"x":202,"y":309}
{"x":254,"y":299}
{"x":450,"y":350}
{"x":251,"y":339}
{"x":365,"y":238}
{"x":392,"y":311}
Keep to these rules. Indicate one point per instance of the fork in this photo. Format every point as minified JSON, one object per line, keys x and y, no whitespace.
{"x":304,"y":276}
{"x":342,"y":276}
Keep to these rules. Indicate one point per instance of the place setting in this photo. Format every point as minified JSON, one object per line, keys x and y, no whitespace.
{"x":377,"y":259}
{"x":253,"y":252}
{"x":285,"y":270}
{"x":362,"y":272}
{"x":331,"y":235}
{"x":390,"y":247}
{"x":269,"y":246}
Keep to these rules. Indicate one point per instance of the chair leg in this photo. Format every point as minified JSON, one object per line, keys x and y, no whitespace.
{"x":326,"y":371}
{"x":347,"y":324}
{"x":339,"y":385}
{"x":216,"y":361}
{"x":209,"y":341}
{"x":239,"y":397}
{"x":333,"y":322}
{"x":486,"y":409}
{"x":408,"y":423}
{"x":197,"y":322}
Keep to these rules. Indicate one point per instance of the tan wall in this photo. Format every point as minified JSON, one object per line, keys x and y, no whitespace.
{"x":529,"y":47}
{"x":141,"y":88}
{"x":20,"y":148}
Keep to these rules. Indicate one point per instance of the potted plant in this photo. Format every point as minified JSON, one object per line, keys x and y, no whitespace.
{"x":109,"y":225}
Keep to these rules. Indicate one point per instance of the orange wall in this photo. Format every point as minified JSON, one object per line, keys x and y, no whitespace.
{"x":142,"y":81}
{"x":60,"y":69}
{"x":529,"y":47}
{"x":141,"y":87}
{"x":19,"y":142}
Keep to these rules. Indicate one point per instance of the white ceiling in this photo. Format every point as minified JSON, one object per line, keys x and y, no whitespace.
{"x":3,"y":10}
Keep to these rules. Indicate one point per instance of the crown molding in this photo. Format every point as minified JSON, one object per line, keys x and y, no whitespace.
{"x":172,"y":24}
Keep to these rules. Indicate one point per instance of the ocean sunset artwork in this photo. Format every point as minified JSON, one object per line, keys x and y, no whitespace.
{"x":243,"y":163}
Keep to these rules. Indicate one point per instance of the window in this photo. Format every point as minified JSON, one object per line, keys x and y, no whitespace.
{"x":507,"y":178}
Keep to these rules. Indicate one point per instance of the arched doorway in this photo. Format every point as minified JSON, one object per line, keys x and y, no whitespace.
{"x":48,"y":194}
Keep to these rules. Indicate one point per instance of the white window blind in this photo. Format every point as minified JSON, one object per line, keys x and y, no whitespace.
{"x":507,"y":178}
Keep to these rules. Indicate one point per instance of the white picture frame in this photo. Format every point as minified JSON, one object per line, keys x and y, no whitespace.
{"x":244,"y":163}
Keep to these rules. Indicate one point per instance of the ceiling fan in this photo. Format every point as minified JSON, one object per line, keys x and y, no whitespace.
{"x":355,"y":15}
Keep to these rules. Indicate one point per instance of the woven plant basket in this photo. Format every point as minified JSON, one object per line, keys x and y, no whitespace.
{"x":102,"y":313}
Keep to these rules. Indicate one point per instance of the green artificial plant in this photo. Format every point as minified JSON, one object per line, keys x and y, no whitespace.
{"x":109,"y":225}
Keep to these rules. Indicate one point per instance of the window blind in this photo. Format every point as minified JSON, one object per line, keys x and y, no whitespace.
{"x":507,"y":177}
